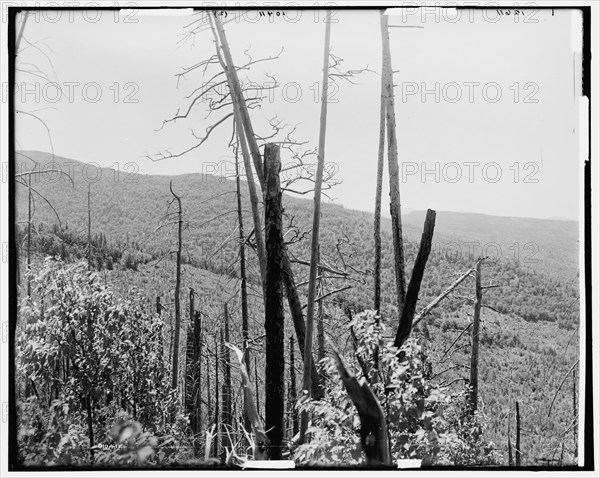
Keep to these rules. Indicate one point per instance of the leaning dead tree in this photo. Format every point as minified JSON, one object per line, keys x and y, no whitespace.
{"x":243,"y":283}
{"x":242,"y":121}
{"x":374,"y":438}
{"x":274,"y":318}
{"x":314,"y":258}
{"x":414,"y":286}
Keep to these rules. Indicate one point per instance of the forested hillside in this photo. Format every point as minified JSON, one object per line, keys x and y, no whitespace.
{"x":529,"y":337}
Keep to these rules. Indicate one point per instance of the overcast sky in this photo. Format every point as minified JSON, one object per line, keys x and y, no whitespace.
{"x":486,"y":105}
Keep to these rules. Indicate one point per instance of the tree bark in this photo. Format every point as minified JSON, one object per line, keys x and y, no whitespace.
{"x":274,"y":317}
{"x":474,"y":378}
{"x":412,"y":296}
{"x":177,"y":291}
{"x":314,"y":259}
{"x":395,"y":209}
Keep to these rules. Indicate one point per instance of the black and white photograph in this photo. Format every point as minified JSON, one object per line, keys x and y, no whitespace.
{"x":299,"y":237}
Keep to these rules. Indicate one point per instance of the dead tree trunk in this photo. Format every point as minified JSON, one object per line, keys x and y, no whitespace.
{"x":274,"y":318}
{"x":89,"y":236}
{"x":208,"y":390}
{"x":198,"y":370}
{"x":193,"y":400}
{"x":378,"y":194}
{"x":510,"y":454}
{"x":414,"y":286}
{"x":217,"y":409}
{"x":256,"y":382}
{"x":320,"y":324}
{"x":575,"y":415}
{"x":177,"y":291}
{"x":226,"y":416}
{"x":474,"y":378}
{"x":314,"y":258}
{"x":238,"y":98}
{"x":293,"y":396}
{"x":518,"y":441}
{"x":158,"y":305}
{"x":243,"y":286}
{"x":28,"y":223}
{"x":374,"y":439}
{"x":429,"y":307}
{"x":289,"y":282}
{"x":395,"y":209}
{"x":261,"y":441}
{"x":245,"y":134}
{"x":298,"y":318}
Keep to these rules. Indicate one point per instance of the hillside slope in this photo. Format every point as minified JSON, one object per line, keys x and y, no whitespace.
{"x":529,"y":336}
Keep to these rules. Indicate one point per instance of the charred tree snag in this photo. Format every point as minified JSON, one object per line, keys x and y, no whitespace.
{"x":298,"y":319}
{"x":374,"y":439}
{"x":314,"y":258}
{"x":274,"y":318}
{"x":177,"y":291}
{"x":518,"y":440}
{"x":474,"y":377}
{"x":243,"y":284}
{"x":245,"y":133}
{"x":226,"y":415}
{"x":408,"y":312}
{"x":292,"y":399}
{"x":248,"y":141}
{"x":395,"y":209}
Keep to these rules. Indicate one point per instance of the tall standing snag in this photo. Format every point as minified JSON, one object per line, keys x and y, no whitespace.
{"x":274,"y":318}
{"x":518,"y":441}
{"x":177,"y":291}
{"x":395,"y":209}
{"x":314,"y":258}
{"x":474,"y":377}
{"x":243,"y":285}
